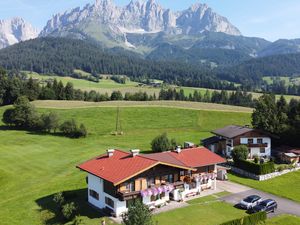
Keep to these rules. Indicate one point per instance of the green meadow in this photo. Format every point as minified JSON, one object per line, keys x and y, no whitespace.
{"x":108,"y":86}
{"x":33,"y":166}
{"x":280,"y":186}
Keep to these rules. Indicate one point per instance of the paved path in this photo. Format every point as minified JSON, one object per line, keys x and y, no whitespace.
{"x":285,"y":206}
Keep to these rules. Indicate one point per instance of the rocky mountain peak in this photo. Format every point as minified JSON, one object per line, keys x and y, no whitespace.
{"x":143,"y":16}
{"x":198,"y":6}
{"x":15,"y":30}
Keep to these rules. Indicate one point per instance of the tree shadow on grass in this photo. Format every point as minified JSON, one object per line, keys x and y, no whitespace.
{"x":6,"y":128}
{"x":41,"y":133}
{"x":32,"y":132}
{"x":79,"y":197}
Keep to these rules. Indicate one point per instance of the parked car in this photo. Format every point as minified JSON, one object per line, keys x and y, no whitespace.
{"x":268,"y":205}
{"x":249,"y":202}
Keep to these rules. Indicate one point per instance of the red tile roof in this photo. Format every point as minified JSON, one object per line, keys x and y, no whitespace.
{"x":122,"y":166}
{"x":193,"y":157}
{"x":117,"y":167}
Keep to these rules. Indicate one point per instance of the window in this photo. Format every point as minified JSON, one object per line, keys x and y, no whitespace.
{"x":262,"y":150}
{"x":129,"y":186}
{"x":250,"y":141}
{"x":259,"y":140}
{"x":182,"y":173}
{"x":109,"y":202}
{"x":94,"y":194}
{"x":164,"y":179}
{"x":150,"y":182}
{"x":170,"y":178}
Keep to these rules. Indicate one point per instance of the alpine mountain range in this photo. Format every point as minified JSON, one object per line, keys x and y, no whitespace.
{"x":146,"y":28}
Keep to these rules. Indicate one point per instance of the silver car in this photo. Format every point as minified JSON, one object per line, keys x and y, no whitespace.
{"x":250,"y":202}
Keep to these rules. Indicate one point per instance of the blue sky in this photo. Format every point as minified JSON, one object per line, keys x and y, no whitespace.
{"x":270,"y":19}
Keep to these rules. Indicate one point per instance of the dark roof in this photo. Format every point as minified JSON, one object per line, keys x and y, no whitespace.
{"x":232,"y":131}
{"x":288,"y":149}
{"x":211,"y":140}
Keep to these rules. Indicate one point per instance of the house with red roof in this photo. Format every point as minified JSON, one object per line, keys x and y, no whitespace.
{"x":118,"y":178}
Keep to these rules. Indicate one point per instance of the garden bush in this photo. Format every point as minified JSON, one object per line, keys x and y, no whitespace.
{"x":253,"y":219}
{"x":258,"y":169}
{"x":69,"y":210}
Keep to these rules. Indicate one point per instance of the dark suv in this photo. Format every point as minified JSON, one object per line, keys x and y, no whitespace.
{"x":268,"y":205}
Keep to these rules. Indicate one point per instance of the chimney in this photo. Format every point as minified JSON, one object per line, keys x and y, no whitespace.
{"x":178,"y":149}
{"x":110,"y":152}
{"x":135,"y":152}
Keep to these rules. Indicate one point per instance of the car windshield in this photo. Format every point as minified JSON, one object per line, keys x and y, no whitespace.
{"x":249,"y":199}
{"x":264,"y":203}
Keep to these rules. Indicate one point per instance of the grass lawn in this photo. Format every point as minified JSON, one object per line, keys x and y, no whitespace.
{"x":212,"y":213}
{"x":33,"y":167}
{"x":287,"y":185}
{"x":209,"y":211}
{"x":284,"y":220}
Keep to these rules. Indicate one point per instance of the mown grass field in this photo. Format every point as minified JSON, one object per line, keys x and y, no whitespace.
{"x":288,"y":80}
{"x":108,"y":86}
{"x":287,"y":186}
{"x":167,"y":104}
{"x":85,"y":84}
{"x":33,"y":167}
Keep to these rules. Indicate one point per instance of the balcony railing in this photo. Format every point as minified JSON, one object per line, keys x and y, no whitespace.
{"x":127,"y":195}
{"x":261,"y":145}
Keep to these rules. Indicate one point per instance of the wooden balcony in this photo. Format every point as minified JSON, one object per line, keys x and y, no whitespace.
{"x":127,"y":195}
{"x":263,"y":145}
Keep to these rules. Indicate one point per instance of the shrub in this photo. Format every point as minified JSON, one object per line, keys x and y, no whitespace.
{"x":138,"y":213}
{"x":59,"y":199}
{"x":280,"y":168}
{"x":70,"y":129}
{"x":8,"y":117}
{"x":50,"y":121}
{"x":161,"y":143}
{"x":23,"y":115}
{"x":258,"y":169}
{"x":82,"y":132}
{"x":253,"y":219}
{"x":69,"y":210}
{"x":256,"y":159}
{"x":240,"y":152}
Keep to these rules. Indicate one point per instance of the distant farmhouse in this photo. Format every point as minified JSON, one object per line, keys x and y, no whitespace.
{"x":117,"y":178}
{"x":225,"y":139}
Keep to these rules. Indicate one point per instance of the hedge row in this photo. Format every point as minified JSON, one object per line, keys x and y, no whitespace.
{"x":258,"y":169}
{"x":253,"y":219}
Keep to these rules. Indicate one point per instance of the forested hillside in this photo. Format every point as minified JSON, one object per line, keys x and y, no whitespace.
{"x":255,"y":69}
{"x":61,"y":56}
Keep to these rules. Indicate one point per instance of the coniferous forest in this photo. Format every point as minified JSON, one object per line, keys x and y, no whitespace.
{"x":62,"y":56}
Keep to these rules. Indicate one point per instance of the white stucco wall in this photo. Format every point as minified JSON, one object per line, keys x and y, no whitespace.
{"x":256,"y":151}
{"x":96,"y":184}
